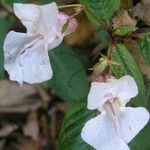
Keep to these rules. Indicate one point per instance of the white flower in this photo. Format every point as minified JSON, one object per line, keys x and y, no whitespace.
{"x":117,"y":125}
{"x":26,"y":54}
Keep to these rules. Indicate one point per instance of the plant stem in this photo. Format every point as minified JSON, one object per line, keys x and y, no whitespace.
{"x":74,"y":15}
{"x":69,"y":6}
{"x":110,"y":50}
{"x":6,"y":7}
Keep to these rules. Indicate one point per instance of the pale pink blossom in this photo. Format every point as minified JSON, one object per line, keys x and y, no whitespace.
{"x":116,"y":125}
{"x":26,"y":56}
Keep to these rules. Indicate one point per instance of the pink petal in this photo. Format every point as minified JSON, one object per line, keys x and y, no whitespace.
{"x":103,"y":78}
{"x":61,"y":20}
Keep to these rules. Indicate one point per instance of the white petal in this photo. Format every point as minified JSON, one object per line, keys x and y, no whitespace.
{"x":37,"y":19}
{"x":100,"y":133}
{"x":48,"y":19}
{"x":56,"y":36}
{"x":29,"y":15}
{"x":128,"y":88}
{"x":14,"y":42}
{"x":98,"y":95}
{"x":123,"y":88}
{"x":26,"y":58}
{"x":132,"y":121}
{"x":56,"y":42}
{"x":35,"y":64}
{"x":12,"y":47}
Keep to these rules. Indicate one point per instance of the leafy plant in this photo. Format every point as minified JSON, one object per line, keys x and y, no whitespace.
{"x":114,"y":29}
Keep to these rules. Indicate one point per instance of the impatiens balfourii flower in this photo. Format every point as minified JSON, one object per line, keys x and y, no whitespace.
{"x":26,"y":54}
{"x":116,"y":125}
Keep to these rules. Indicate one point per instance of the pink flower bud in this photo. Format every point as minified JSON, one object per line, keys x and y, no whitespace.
{"x":62,"y":19}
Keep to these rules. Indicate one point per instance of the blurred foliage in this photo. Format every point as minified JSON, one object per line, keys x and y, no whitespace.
{"x":145,"y":47}
{"x":5,"y":25}
{"x":69,"y":77}
{"x":75,"y":119}
{"x":104,"y":37}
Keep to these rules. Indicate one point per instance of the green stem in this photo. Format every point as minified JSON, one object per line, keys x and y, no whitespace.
{"x":69,"y":6}
{"x":110,"y":50}
{"x":6,"y":7}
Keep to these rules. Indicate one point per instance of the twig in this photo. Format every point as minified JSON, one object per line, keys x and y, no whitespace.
{"x":110,"y":50}
{"x":69,"y":6}
{"x":6,"y":7}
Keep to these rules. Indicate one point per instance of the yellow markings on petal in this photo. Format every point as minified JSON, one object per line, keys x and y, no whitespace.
{"x":34,"y":31}
{"x":119,"y":103}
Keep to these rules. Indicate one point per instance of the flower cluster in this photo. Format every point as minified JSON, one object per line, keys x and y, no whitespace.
{"x":116,"y":125}
{"x":26,"y":54}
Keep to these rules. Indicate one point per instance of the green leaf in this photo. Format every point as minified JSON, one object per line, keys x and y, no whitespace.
{"x":145,"y":47}
{"x":147,"y":85}
{"x":74,"y":121}
{"x":5,"y":24}
{"x":28,"y":1}
{"x":102,"y":9}
{"x":124,"y":30}
{"x":15,"y":1}
{"x":69,"y":77}
{"x":129,"y":66}
{"x":46,"y":1}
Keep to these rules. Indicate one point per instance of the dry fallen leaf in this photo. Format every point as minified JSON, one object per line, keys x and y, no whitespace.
{"x":11,"y":92}
{"x":142,"y":10}
{"x":28,"y":144}
{"x":2,"y":143}
{"x":14,"y":98}
{"x":7,"y":129}
{"x":122,"y":18}
{"x":31,"y":128}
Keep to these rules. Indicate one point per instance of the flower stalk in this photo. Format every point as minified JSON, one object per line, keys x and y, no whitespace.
{"x":69,"y":6}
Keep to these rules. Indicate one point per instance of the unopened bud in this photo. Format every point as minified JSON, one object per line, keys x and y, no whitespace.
{"x":99,"y":67}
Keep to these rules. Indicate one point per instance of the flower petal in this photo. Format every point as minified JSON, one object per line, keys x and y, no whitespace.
{"x":29,"y":15}
{"x":35,"y":64}
{"x":128,"y":88}
{"x":61,"y":20}
{"x":57,"y":36}
{"x":131,"y":121}
{"x":56,"y":42}
{"x":47,"y":19}
{"x":123,"y":88}
{"x":100,"y":133}
{"x":26,"y":58}
{"x":13,"y":44}
{"x":37,"y":19}
{"x":99,"y":94}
